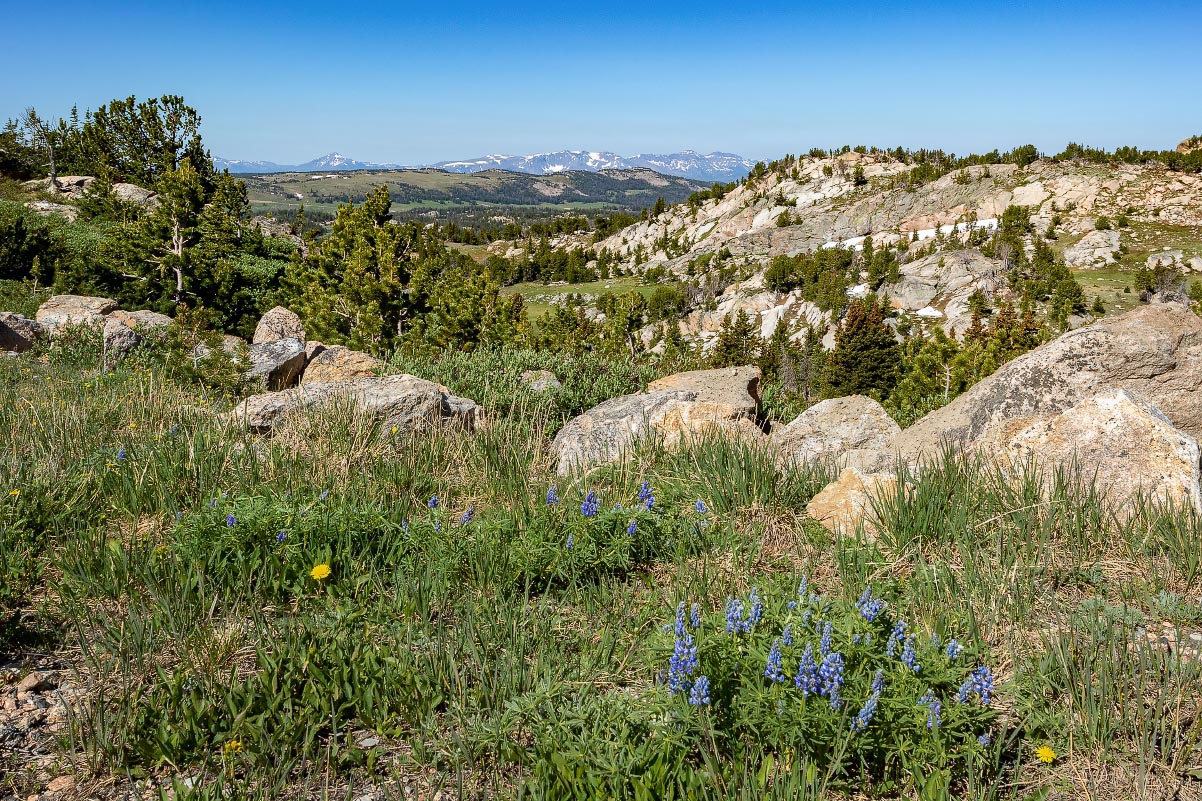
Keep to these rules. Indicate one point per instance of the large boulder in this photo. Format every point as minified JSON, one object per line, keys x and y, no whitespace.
{"x":62,"y":310}
{"x":1125,"y":443}
{"x":404,"y":402}
{"x":1095,"y":249}
{"x":844,"y":507}
{"x":132,"y":193}
{"x":279,"y":364}
{"x":120,"y":340}
{"x":278,"y":323}
{"x":336,"y":363}
{"x":143,"y":320}
{"x":855,"y":431}
{"x":45,"y":208}
{"x":688,"y":404}
{"x":18,"y":334}
{"x":1154,"y":350}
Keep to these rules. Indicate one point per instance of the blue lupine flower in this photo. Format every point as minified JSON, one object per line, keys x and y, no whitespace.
{"x":682,"y":664}
{"x":878,"y":682}
{"x":954,"y":649}
{"x":774,"y":670}
{"x":700,"y":694}
{"x":791,"y":605}
{"x":121,"y":454}
{"x":935,"y":641}
{"x":213,"y":504}
{"x":680,"y":629}
{"x":589,"y":507}
{"x":895,"y":637}
{"x":324,"y":494}
{"x":786,"y":636}
{"x":934,"y":709}
{"x":830,"y":678}
{"x":631,"y":529}
{"x":757,"y":608}
{"x":699,"y":507}
{"x":281,"y":536}
{"x":864,"y":717}
{"x":980,"y":683}
{"x":824,"y":645}
{"x":230,"y":520}
{"x":734,"y":615}
{"x":433,"y":502}
{"x":179,"y":516}
{"x":571,"y":543}
{"x":806,"y":679}
{"x":649,"y":503}
{"x":908,"y":657}
{"x":405,"y":526}
{"x":870,"y":607}
{"x":855,"y":639}
{"x":467,"y":516}
{"x":552,"y":496}
{"x":801,"y":588}
{"x":985,"y":740}
{"x":438,"y":525}
{"x":645,"y":493}
{"x":695,"y":616}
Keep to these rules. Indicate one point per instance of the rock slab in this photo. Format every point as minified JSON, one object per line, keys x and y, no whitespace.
{"x":18,"y":334}
{"x":279,"y":364}
{"x":854,"y":431}
{"x":63,"y":310}
{"x":845,"y":506}
{"x":276,"y":324}
{"x":336,"y":363}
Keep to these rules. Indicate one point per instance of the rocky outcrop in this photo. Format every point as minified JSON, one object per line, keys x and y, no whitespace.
{"x":120,"y":340}
{"x":845,"y":506}
{"x":1095,"y":249}
{"x":1120,"y":439}
{"x":142,"y":321}
{"x":938,"y":286}
{"x":405,"y":402}
{"x":855,"y":431}
{"x":45,"y":208}
{"x":337,"y":363}
{"x":278,"y":323}
{"x":62,"y":310}
{"x":687,"y":404}
{"x":132,"y":193}
{"x":18,"y":334}
{"x":540,"y":380}
{"x":1154,"y":350}
{"x":278,"y":364}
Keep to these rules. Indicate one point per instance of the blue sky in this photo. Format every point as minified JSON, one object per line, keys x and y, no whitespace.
{"x":423,"y":82}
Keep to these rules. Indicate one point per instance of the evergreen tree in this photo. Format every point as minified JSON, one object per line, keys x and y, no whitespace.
{"x":865,"y":359}
{"x":738,"y":342}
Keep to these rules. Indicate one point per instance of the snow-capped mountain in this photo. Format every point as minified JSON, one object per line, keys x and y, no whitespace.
{"x":688,"y":164}
{"x":722,"y":167}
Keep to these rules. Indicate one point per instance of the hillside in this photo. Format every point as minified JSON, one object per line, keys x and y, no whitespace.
{"x":430,"y":189}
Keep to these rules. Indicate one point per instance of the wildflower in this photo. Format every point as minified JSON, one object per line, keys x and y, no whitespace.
{"x":1045,"y":754}
{"x":909,"y":658}
{"x":757,"y":609}
{"x":979,"y":682}
{"x":985,"y":740}
{"x":232,"y":747}
{"x":870,"y":607}
{"x":695,"y":616}
{"x":646,"y":496}
{"x":589,"y":507}
{"x":774,"y":669}
{"x":281,"y":536}
{"x":824,"y":645}
{"x":405,"y":526}
{"x":321,"y":571}
{"x":682,"y":664}
{"x":680,"y":628}
{"x":230,"y":520}
{"x":878,"y":682}
{"x":699,"y":507}
{"x":179,"y":516}
{"x":324,"y":494}
{"x":954,"y":649}
{"x":467,"y":516}
{"x":895,"y":636}
{"x":806,"y":679}
{"x":830,"y":678}
{"x":571,"y":543}
{"x":14,"y":493}
{"x":700,"y":695}
{"x":133,"y":425}
{"x":734,"y":616}
{"x":121,"y":454}
{"x":864,"y":717}
{"x":786,"y":636}
{"x":934,"y":709}
{"x":438,"y":525}
{"x":433,"y":502}
{"x":630,"y":529}
{"x":552,"y":496}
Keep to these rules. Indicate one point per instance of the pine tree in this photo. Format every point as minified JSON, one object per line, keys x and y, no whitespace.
{"x":776,"y":355}
{"x":738,"y":342}
{"x":865,"y":359}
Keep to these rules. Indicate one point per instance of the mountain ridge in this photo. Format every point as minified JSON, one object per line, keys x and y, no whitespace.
{"x":714,"y":166}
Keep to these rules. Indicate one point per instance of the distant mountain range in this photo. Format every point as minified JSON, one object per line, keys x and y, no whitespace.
{"x":722,"y":167}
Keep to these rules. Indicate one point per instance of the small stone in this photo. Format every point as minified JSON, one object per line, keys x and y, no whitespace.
{"x":31,"y":683}
{"x":370,"y":742}
{"x":60,"y":784}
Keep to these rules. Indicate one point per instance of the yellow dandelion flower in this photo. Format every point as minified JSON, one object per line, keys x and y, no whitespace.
{"x":232,"y":746}
{"x":135,"y":425}
{"x":14,"y":493}
{"x":320,"y":572}
{"x":1045,"y":754}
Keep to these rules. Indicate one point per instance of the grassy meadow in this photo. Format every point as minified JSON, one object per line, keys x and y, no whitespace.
{"x":338,"y":612}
